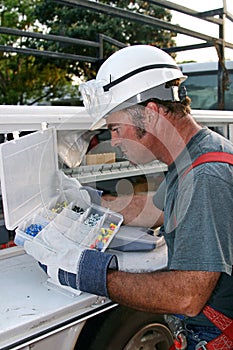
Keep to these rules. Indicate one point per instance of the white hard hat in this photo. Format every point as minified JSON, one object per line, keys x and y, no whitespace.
{"x":130,"y":76}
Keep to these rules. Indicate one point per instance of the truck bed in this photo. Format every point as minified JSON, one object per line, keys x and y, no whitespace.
{"x":31,"y":306}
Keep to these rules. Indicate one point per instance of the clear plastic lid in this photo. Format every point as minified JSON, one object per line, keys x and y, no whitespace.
{"x":28,"y":172}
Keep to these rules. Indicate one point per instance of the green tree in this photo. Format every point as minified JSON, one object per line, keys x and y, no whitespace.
{"x":23,"y":78}
{"x":27,"y":79}
{"x":77,"y":22}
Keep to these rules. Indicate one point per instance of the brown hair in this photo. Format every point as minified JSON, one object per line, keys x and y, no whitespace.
{"x":179,"y":108}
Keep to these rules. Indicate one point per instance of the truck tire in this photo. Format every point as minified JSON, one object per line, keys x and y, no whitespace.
{"x":125,"y":329}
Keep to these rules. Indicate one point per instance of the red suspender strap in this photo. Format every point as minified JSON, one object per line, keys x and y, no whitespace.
{"x":210,"y":157}
{"x":221,"y":157}
{"x":225,"y":340}
{"x":225,"y":324}
{"x":222,"y":322}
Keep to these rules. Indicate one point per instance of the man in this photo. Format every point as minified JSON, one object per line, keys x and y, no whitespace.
{"x":137,"y":93}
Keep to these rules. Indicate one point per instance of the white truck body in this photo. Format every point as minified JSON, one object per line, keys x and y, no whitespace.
{"x":35,"y":314}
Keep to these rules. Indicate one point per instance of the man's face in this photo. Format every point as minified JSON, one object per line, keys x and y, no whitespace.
{"x":124,"y":135}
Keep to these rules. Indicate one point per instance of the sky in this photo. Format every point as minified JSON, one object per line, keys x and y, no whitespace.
{"x":207,"y":54}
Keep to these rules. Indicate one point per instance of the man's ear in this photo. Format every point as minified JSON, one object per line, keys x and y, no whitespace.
{"x":151,"y":116}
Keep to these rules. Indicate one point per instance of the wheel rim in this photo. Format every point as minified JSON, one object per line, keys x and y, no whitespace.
{"x":151,"y":337}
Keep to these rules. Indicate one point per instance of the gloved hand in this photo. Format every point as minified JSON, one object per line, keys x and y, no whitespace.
{"x":95,"y":195}
{"x":69,"y":264}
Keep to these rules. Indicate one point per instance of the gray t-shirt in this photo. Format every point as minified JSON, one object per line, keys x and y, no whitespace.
{"x":198,"y":220}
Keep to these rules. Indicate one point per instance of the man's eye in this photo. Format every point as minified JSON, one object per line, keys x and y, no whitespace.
{"x":115,"y":129}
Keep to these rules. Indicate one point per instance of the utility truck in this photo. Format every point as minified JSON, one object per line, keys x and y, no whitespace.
{"x":202,"y":84}
{"x":35,"y":313}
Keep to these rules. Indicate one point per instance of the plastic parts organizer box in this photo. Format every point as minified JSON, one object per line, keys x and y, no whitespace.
{"x":32,"y":186}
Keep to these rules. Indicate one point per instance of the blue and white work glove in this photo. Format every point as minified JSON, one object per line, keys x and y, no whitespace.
{"x":95,"y":195}
{"x":72,"y":189}
{"x":69,"y":265}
